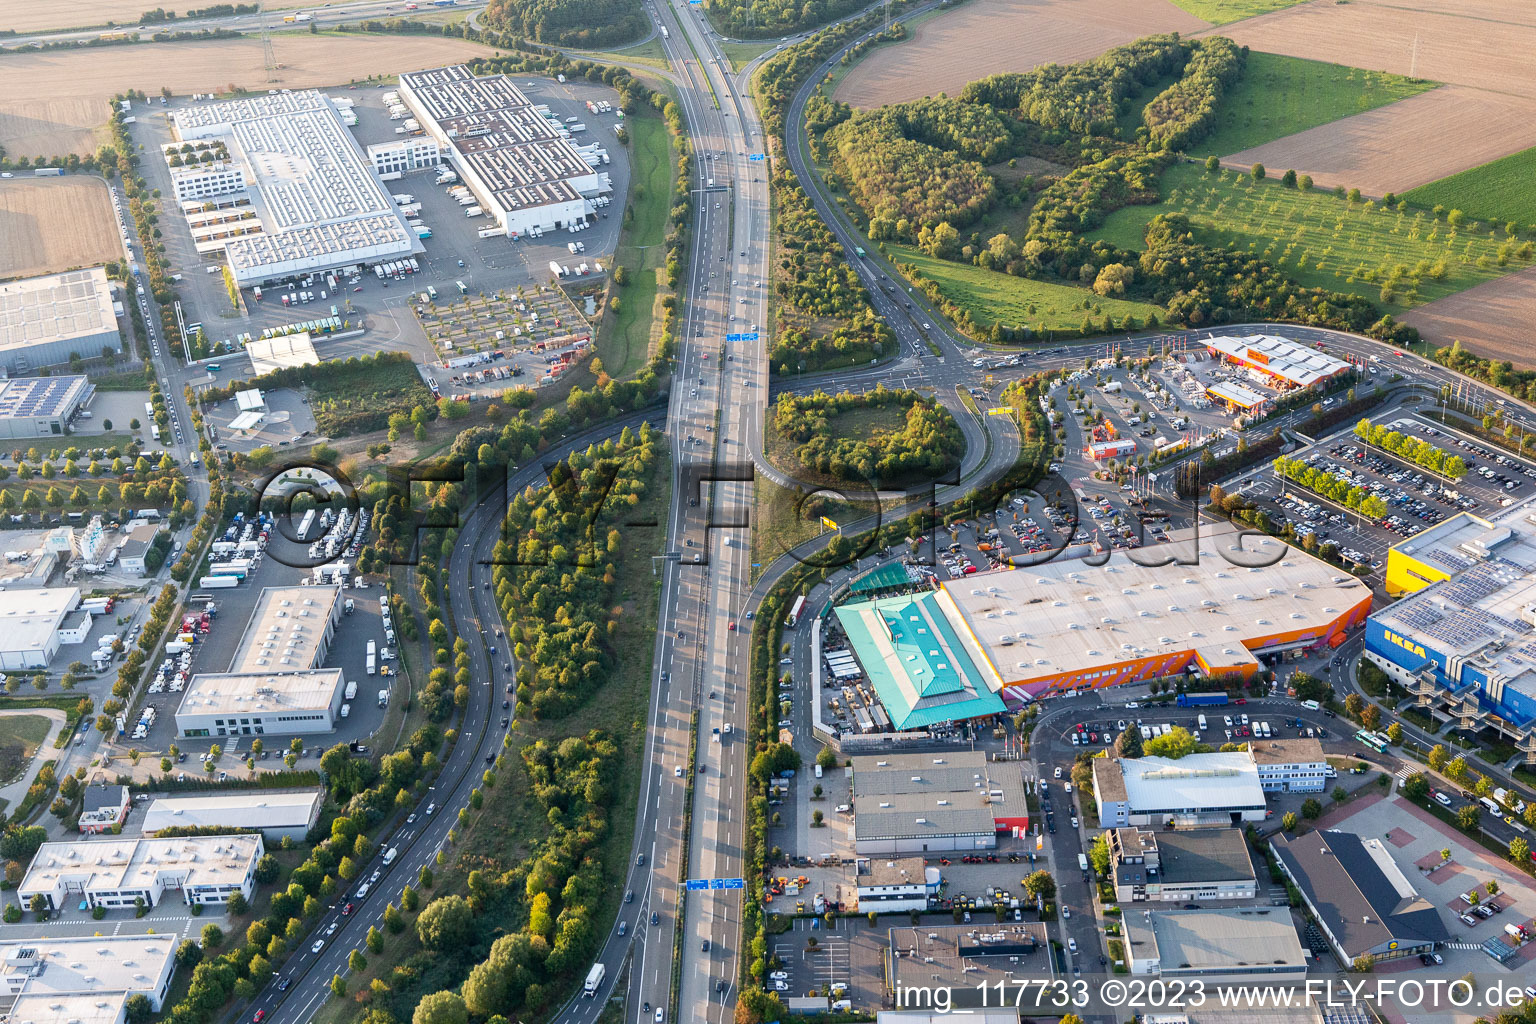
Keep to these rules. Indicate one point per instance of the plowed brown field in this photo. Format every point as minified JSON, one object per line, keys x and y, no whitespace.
{"x":1481,"y":48}
{"x":985,"y":37}
{"x":1493,"y":319}
{"x":51,"y":224}
{"x":1406,"y":144}
{"x":68,"y":84}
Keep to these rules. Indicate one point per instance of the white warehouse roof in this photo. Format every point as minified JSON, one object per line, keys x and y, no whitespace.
{"x":258,"y":810}
{"x":56,"y":307}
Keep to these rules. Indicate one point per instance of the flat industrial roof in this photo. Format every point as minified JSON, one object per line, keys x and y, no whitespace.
{"x":1236,"y":394}
{"x":119,"y":863}
{"x":897,"y":871}
{"x":1294,"y":363}
{"x":287,"y":350}
{"x":924,"y":670}
{"x":313,"y":189}
{"x":1298,"y":750}
{"x":1259,"y":937}
{"x":1214,"y":781}
{"x":285,"y":630}
{"x":42,"y":397}
{"x":261,"y":809}
{"x":1202,"y":854}
{"x":74,"y":1007}
{"x":1066,"y":616}
{"x":56,"y":307}
{"x":937,"y":794}
{"x":1483,"y":608}
{"x":498,"y":132}
{"x":94,"y":964}
{"x":258,"y":693}
{"x":29,"y":618}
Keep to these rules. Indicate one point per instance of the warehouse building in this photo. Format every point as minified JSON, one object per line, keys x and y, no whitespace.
{"x":1218,"y":948}
{"x":1462,"y":640}
{"x":1360,"y":899}
{"x":132,"y":552}
{"x":297,"y":196}
{"x":286,"y":703}
{"x":113,"y":873}
{"x":85,"y":979}
{"x":1179,"y":866}
{"x":1199,"y":789}
{"x":917,"y":803}
{"x":1279,"y":361}
{"x":290,"y":629}
{"x":35,"y":622}
{"x":888,"y":886}
{"x":45,"y":321}
{"x":276,"y":815}
{"x":519,"y":163}
{"x":33,"y":407}
{"x":1068,"y":626}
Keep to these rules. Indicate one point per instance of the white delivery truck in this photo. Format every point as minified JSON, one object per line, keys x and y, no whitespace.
{"x":595,"y":975}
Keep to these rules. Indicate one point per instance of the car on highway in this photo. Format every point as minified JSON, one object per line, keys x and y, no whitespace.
{"x":629,"y":896}
{"x":346,"y":910}
{"x":661,"y":1015}
{"x":318,"y":946}
{"x":282,"y":985}
{"x":258,"y":1016}
{"x":678,"y":771}
{"x":332,"y":929}
{"x":655,"y":918}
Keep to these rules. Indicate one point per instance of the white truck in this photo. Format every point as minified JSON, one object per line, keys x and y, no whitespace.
{"x":595,"y":975}
{"x":383,"y":698}
{"x":351,"y":691}
{"x":474,"y":211}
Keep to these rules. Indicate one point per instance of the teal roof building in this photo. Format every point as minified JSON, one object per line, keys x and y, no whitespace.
{"x":924,"y":670}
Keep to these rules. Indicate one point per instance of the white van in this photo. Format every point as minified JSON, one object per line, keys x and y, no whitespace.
{"x":389,"y":855}
{"x":818,"y":771}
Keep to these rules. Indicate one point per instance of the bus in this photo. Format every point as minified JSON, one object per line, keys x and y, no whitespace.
{"x":1375,"y":741}
{"x":154,"y":431}
{"x":795,"y":611}
{"x":214,"y":367}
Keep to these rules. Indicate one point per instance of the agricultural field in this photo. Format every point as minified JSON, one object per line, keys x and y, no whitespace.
{"x":48,"y":126}
{"x":1400,"y":260}
{"x":1479,"y":48}
{"x":1405,"y":144}
{"x":1222,"y":12}
{"x":984,"y":37}
{"x":993,"y":297}
{"x":66,"y":86}
{"x":52,"y":224}
{"x":1504,"y":189}
{"x":32,"y":17}
{"x":1493,"y":319}
{"x":1279,"y":96}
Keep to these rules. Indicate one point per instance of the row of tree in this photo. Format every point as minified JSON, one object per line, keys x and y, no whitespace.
{"x":1412,"y":449}
{"x":1336,"y":489}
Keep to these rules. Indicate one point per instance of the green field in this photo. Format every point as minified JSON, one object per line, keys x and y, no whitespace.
{"x":20,"y":736}
{"x":1322,"y":240}
{"x":743,"y":53}
{"x":625,"y":338}
{"x":648,"y":53}
{"x":1220,"y":12}
{"x":1279,"y":96}
{"x":1499,"y":191}
{"x":992,"y":297}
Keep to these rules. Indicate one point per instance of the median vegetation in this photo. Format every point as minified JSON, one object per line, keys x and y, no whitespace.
{"x":882,"y":437}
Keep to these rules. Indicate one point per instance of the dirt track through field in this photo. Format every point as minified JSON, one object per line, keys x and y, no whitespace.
{"x":1494,"y":319}
{"x":71,"y":83}
{"x":52,"y":224}
{"x":1481,"y":48}
{"x":985,"y":37}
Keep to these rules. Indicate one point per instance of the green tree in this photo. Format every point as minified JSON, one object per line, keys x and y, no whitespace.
{"x":1212,"y":164}
{"x":1257,"y":170}
{"x":445,"y":923}
{"x":1311,"y":809}
{"x":1040,"y":884}
{"x":441,"y":1008}
{"x":1176,"y":743}
{"x":1288,"y":821}
{"x":213,"y":936}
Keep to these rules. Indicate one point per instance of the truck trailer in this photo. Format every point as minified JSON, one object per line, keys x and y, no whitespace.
{"x":1195,"y":700}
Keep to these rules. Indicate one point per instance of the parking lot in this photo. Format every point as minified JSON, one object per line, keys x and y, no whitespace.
{"x":455,"y":251}
{"x":215,"y":651}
